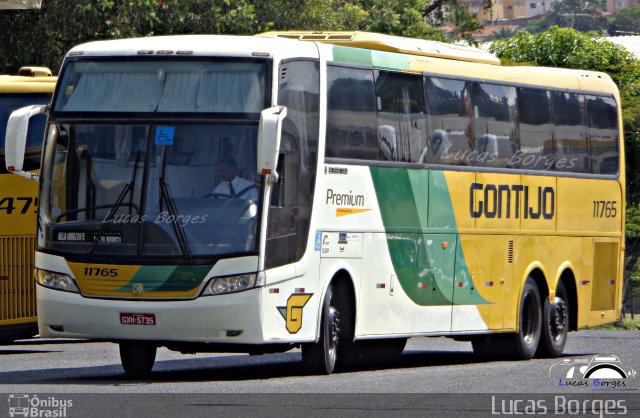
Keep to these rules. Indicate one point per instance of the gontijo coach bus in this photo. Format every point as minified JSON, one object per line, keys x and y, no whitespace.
{"x":18,"y":205}
{"x":405,"y":188}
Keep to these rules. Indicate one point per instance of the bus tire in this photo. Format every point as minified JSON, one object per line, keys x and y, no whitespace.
{"x":526,"y":340}
{"x":321,"y":357}
{"x":137,"y":357}
{"x":555,"y":324}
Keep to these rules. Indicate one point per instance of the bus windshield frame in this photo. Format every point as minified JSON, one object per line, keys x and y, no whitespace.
{"x":148,"y":175}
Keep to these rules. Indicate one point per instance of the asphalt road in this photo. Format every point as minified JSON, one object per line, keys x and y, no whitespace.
{"x":434,"y":377}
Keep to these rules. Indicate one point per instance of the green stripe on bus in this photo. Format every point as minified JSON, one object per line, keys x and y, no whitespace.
{"x":185,"y":278}
{"x":390,"y":60}
{"x":378,"y":59}
{"x":151,"y":277}
{"x":425,"y":264}
{"x":352,"y":55}
{"x":168,"y":278}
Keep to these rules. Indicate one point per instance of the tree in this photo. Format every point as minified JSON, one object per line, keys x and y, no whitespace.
{"x":463,"y":23}
{"x":625,"y":22}
{"x":61,"y":24}
{"x":582,"y":15}
{"x":568,"y":48}
{"x":504,"y":33}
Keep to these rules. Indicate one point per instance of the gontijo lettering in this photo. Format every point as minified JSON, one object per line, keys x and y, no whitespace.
{"x":503,"y":201}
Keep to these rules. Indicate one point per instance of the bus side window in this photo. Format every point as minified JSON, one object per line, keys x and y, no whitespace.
{"x":285,"y":192}
{"x":494,"y":125}
{"x":537,"y":150}
{"x":401,"y":116}
{"x":351,"y":114}
{"x":603,"y":134}
{"x":448,"y":140}
{"x":569,"y":132}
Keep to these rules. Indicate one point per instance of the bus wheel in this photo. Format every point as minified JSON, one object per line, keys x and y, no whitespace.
{"x":321,"y":357}
{"x":137,"y":357}
{"x":555,"y":324}
{"x":528,"y":336}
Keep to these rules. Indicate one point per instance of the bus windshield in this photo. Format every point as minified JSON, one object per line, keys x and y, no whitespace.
{"x":163,"y":162}
{"x":159,"y":85}
{"x":146,"y":190}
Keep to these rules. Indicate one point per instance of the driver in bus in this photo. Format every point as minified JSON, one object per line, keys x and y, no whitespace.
{"x":232,"y":185}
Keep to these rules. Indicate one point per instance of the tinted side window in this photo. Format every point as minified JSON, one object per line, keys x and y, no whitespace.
{"x":536,"y":130}
{"x":603,"y":134}
{"x":570,"y":133}
{"x":351,"y":114}
{"x":494,"y":127}
{"x":290,"y":208}
{"x":402,"y":121}
{"x":450,"y":111}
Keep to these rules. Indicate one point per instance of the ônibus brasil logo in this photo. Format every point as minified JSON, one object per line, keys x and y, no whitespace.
{"x":22,"y":405}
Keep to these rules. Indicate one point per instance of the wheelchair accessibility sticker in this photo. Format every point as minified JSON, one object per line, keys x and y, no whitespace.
{"x":164,"y":135}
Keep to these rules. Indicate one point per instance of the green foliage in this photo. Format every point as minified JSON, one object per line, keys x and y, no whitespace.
{"x":582,"y":15}
{"x":464,"y":23}
{"x":569,"y":48}
{"x":398,"y":17}
{"x":42,"y":37}
{"x":626,"y":325}
{"x":504,"y":33}
{"x":625,"y":22}
{"x":633,"y":222}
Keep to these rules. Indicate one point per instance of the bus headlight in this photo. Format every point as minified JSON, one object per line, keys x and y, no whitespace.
{"x":56,"y":281}
{"x":231,"y":284}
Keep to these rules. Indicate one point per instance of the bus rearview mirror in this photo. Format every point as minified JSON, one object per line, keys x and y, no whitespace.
{"x":16,"y":139}
{"x":269,"y":133}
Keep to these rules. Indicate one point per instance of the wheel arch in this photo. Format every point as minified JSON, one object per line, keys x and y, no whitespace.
{"x":343,"y":278}
{"x":537,"y":272}
{"x":539,"y":275}
{"x":567,"y":276}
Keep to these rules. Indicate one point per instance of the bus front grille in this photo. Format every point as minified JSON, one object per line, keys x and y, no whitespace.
{"x":17,"y":285}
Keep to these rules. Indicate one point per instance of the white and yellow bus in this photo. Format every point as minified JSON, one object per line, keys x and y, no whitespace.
{"x":340,"y":192}
{"x":18,"y":206}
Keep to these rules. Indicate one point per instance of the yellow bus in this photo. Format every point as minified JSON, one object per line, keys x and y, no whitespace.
{"x":340,"y":192}
{"x":18,"y":206}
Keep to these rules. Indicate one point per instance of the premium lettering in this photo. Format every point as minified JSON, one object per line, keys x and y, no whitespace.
{"x":347,"y":199}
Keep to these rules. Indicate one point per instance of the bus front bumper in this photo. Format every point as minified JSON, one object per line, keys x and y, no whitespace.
{"x":232,"y":318}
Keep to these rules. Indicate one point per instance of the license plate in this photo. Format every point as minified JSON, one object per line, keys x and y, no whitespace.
{"x":137,"y":318}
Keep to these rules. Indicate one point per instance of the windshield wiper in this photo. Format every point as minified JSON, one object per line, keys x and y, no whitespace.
{"x":128,"y":188}
{"x":165,"y":196}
